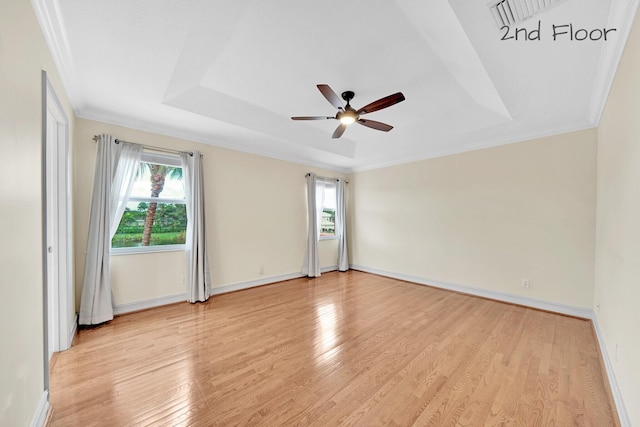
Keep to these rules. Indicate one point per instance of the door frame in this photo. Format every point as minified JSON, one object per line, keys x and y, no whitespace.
{"x":58,"y":296}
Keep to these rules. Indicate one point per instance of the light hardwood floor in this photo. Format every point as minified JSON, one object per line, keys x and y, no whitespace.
{"x":343,"y":349}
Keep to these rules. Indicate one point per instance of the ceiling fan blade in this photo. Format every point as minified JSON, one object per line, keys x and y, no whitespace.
{"x":381,"y":103}
{"x":330,"y":95}
{"x":339,"y":131}
{"x":312,"y":118}
{"x":375,"y":125}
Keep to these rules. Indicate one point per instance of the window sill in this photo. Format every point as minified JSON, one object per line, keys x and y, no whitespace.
{"x":328,"y":237}
{"x":147,"y":249}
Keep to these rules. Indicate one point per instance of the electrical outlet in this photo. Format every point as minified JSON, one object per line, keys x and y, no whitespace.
{"x":525,"y":283}
{"x":184,"y":279}
{"x":598,"y":307}
{"x":261,"y":268}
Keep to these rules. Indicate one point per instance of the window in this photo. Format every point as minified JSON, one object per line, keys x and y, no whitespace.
{"x":155,"y":218}
{"x":327,"y":228}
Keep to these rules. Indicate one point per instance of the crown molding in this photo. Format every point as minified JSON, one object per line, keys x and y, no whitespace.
{"x":621,"y":17}
{"x":141,"y":125}
{"x":50,"y":19}
{"x":219,"y":142}
{"x":524,"y":137}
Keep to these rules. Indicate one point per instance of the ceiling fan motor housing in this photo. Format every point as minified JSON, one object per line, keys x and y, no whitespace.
{"x":348,"y":95}
{"x":349,"y":111}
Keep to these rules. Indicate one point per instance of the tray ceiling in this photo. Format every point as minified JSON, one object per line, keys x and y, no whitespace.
{"x":232,"y":74}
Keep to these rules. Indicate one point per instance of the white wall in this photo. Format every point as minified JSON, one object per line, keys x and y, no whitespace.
{"x":617,"y":277}
{"x":256,"y":215}
{"x":486,"y":219}
{"x":23,"y":55}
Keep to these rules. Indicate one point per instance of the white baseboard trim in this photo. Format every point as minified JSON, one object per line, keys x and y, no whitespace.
{"x":585,"y":313}
{"x":264,"y":281}
{"x":171,"y":299}
{"x":42,"y":410}
{"x":253,"y":283}
{"x":149,"y":303}
{"x":329,"y":268}
{"x":625,"y":421}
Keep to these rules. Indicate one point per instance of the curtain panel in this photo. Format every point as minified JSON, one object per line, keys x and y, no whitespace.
{"x":198,"y":272}
{"x":315,"y":198}
{"x":311,"y":263}
{"x":341,"y":226}
{"x":116,"y":166}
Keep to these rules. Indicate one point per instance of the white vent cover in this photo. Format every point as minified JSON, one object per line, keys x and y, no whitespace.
{"x":510,"y":12}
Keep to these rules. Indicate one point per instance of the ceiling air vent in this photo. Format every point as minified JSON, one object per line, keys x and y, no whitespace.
{"x":511,"y":12}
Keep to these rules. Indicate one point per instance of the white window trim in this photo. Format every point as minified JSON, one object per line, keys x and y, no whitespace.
{"x":162,"y":159}
{"x":333,"y":237}
{"x":147,"y":249}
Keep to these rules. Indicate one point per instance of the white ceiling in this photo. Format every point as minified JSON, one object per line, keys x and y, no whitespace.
{"x":233,"y":73}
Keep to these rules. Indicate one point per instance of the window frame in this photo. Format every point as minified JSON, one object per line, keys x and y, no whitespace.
{"x":163,"y":159}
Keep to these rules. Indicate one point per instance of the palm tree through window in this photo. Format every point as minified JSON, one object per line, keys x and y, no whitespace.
{"x":155,"y":214}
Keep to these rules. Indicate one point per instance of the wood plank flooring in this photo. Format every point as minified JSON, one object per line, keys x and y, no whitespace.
{"x":343,"y":349}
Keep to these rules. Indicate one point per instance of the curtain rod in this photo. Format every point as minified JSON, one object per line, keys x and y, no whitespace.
{"x":149,"y":147}
{"x":346,"y":181}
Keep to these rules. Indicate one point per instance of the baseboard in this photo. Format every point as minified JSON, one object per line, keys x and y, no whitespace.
{"x":40,"y":417}
{"x":253,"y":283}
{"x":569,"y":310}
{"x":621,"y":409}
{"x":329,"y":268}
{"x":171,"y":299}
{"x":149,"y":303}
{"x":264,"y":281}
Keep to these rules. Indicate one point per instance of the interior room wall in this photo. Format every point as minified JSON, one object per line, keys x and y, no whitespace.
{"x":255,"y":210}
{"x":23,"y":56}
{"x":617,"y":273}
{"x":486,"y":219}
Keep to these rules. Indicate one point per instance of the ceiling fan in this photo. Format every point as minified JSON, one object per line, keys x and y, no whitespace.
{"x":347,"y":114}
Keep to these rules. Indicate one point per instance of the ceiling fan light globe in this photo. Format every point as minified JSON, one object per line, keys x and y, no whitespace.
{"x":347,"y":119}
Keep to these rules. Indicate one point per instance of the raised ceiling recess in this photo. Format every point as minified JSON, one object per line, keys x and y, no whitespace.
{"x":232,"y":74}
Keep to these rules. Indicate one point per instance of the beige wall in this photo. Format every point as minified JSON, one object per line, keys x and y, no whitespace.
{"x":617,"y":278}
{"x":23,"y":55}
{"x":486,"y":219}
{"x":256,"y":215}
